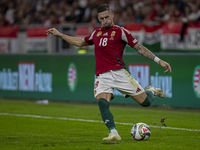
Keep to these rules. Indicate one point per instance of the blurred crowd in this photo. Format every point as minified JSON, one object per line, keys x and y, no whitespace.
{"x":52,"y":12}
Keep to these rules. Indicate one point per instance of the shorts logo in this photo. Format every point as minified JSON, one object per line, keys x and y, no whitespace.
{"x":72,"y":77}
{"x":113,"y":34}
{"x":99,"y":33}
{"x":138,"y":90}
{"x":96,"y":84}
{"x":196,"y":81}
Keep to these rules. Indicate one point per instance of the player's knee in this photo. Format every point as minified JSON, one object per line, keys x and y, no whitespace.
{"x":146,"y":103}
{"x":102,"y":102}
{"x":99,"y":101}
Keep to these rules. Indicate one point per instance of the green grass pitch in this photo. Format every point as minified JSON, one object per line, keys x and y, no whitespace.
{"x":25,"y":125}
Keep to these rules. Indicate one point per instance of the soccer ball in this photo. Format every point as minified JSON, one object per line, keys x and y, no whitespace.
{"x":140,"y":132}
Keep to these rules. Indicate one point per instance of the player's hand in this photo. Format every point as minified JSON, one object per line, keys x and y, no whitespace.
{"x":53,"y":31}
{"x":165,"y":65}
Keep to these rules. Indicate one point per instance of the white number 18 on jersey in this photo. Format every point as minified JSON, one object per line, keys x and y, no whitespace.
{"x":103,"y":42}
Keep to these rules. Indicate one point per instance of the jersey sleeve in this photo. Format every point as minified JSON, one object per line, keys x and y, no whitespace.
{"x":89,"y":39}
{"x":128,"y":38}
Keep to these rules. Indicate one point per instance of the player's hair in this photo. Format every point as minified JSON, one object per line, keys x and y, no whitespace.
{"x":103,"y":8}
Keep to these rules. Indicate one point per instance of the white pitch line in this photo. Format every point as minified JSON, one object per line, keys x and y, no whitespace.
{"x":86,"y":120}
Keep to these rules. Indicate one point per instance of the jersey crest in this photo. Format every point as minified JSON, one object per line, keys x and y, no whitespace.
{"x":113,"y":33}
{"x":99,"y":33}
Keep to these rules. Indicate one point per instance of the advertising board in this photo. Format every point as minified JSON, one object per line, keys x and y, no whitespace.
{"x":71,"y":78}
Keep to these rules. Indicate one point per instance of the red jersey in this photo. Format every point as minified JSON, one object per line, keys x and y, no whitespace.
{"x":109,"y":46}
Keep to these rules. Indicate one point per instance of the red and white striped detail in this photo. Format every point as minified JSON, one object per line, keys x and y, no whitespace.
{"x":72,"y":76}
{"x":197,"y":81}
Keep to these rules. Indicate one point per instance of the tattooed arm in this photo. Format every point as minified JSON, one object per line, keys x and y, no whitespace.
{"x":144,"y":51}
{"x":148,"y":54}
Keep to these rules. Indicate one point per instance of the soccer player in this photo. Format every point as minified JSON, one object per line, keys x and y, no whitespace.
{"x":109,"y":42}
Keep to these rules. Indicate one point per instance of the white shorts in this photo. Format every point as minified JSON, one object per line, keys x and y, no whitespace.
{"x":120,"y":79}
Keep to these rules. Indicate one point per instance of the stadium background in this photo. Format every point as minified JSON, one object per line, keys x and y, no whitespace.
{"x":34,"y":66}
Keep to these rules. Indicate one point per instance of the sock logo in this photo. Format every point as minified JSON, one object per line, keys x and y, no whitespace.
{"x":106,"y":121}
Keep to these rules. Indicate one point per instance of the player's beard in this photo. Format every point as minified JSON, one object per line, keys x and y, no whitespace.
{"x":108,"y":26}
